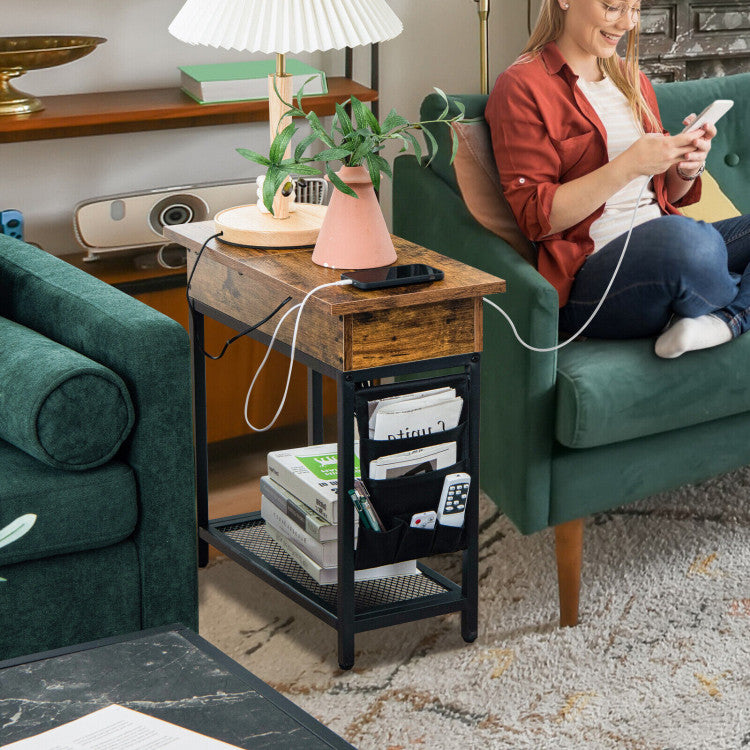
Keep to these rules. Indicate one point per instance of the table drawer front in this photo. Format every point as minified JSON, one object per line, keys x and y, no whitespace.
{"x":410,"y":334}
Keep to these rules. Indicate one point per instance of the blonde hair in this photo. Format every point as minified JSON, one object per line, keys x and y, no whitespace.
{"x":623,"y":72}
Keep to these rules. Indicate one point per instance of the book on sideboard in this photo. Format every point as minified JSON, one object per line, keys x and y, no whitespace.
{"x":246,"y":81}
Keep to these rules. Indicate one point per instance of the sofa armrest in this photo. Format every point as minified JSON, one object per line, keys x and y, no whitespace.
{"x":518,"y":385}
{"x":151,"y":354}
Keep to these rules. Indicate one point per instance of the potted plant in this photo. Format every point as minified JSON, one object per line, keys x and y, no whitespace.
{"x":354,"y":233}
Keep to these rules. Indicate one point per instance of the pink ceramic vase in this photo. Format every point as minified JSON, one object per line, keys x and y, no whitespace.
{"x":354,"y":233}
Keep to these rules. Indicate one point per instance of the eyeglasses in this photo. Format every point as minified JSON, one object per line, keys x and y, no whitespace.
{"x":615,"y":12}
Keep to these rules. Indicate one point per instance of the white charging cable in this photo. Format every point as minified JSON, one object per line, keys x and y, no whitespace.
{"x":299,"y":307}
{"x":601,"y":301}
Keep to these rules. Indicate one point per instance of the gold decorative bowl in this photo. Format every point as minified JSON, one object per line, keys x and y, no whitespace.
{"x":21,"y":53}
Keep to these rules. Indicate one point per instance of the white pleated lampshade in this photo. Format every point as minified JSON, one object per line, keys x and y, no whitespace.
{"x":282,"y":26}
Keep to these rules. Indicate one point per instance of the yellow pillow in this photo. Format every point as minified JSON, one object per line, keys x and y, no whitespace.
{"x":713,"y":205}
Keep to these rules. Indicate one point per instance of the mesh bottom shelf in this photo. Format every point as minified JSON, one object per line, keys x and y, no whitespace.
{"x":250,"y":535}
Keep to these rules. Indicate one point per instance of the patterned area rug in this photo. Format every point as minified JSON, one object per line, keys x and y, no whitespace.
{"x":661,"y":659}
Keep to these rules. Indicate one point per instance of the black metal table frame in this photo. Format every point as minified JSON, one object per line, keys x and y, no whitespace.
{"x":343,"y":618}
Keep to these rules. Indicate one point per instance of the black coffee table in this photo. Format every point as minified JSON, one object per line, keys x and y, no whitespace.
{"x":169,"y":673}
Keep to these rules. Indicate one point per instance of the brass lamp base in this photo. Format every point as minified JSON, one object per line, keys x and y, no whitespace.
{"x":246,"y":225}
{"x":13,"y":101}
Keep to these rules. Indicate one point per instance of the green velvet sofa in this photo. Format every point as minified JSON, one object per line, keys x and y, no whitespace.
{"x":96,"y":441}
{"x":598,"y":424}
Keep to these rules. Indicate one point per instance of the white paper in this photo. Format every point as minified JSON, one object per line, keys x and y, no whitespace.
{"x":414,"y":462}
{"x":118,"y":728}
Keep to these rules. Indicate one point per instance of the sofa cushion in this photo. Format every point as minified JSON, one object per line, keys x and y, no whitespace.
{"x":479,"y":182}
{"x":75,"y":510}
{"x":57,"y":405}
{"x":610,"y":391}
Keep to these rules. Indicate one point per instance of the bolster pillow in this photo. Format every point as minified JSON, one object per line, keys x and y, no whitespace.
{"x":57,"y":405}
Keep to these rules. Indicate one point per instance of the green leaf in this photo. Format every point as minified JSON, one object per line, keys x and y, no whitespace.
{"x":361,"y":151}
{"x":254,"y":156}
{"x":383,"y":164}
{"x":318,"y":129}
{"x":343,"y":119}
{"x":374,"y":169}
{"x":303,"y":144}
{"x":454,"y":145}
{"x":274,"y":178}
{"x":444,"y":97}
{"x":280,"y":142}
{"x":293,"y":167}
{"x":300,"y":93}
{"x":339,"y":184}
{"x":16,"y":529}
{"x":365,"y":119}
{"x":332,"y":154}
{"x":432,"y":146}
{"x":393,"y":121}
{"x":415,"y":145}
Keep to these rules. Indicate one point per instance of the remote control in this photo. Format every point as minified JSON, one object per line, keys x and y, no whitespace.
{"x":424,"y":520}
{"x":452,"y":508}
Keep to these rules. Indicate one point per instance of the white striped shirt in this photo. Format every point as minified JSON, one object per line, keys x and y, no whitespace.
{"x":618,"y":119}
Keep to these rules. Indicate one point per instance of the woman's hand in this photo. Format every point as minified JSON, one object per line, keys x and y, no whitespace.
{"x":654,"y":153}
{"x":696,"y":159}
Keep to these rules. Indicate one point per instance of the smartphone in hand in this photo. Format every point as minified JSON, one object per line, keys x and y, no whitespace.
{"x":710,"y":114}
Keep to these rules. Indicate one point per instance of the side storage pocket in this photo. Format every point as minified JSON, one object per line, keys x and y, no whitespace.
{"x":375,"y":548}
{"x":396,"y":501}
{"x":418,"y":490}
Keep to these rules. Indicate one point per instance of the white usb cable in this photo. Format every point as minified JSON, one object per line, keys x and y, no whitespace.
{"x":601,"y":301}
{"x":299,"y":307}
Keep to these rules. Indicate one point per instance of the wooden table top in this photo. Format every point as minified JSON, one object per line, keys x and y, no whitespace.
{"x":294,"y":269}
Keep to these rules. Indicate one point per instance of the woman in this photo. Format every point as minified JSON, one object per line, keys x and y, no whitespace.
{"x":580,"y":148}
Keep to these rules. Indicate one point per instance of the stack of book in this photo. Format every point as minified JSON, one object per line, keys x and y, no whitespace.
{"x":299,"y":504}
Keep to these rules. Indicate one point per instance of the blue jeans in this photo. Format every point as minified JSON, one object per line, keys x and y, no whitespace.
{"x":673,"y":266}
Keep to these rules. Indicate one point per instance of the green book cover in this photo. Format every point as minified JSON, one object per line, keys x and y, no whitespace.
{"x":239,"y":71}
{"x":246,"y":81}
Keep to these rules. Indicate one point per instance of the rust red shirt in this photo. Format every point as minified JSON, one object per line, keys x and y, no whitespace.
{"x":545,"y":133}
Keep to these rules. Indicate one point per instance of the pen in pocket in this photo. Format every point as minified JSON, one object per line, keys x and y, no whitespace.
{"x":364,"y":496}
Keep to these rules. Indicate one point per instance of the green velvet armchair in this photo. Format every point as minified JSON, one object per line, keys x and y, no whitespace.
{"x":599,"y":423}
{"x":96,"y":441}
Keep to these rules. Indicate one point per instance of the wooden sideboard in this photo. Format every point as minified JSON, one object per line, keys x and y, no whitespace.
{"x":684,"y":39}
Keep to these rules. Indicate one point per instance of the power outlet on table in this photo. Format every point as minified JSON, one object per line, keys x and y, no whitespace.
{"x":11,"y":223}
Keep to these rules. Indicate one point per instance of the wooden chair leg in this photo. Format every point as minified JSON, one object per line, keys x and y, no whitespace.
{"x":569,"y":551}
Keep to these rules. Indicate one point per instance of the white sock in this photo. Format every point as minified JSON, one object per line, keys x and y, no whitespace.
{"x":689,"y":334}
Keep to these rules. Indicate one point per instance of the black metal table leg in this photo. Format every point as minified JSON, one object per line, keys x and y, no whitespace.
{"x":470,"y":568}
{"x":200,"y":430}
{"x":345,"y":599}
{"x":314,"y":407}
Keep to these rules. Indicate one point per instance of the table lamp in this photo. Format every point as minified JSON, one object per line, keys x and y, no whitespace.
{"x":280,"y":27}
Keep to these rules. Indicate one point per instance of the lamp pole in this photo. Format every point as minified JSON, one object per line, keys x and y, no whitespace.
{"x":483,"y":9}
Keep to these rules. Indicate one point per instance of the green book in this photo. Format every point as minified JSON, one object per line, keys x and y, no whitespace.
{"x":242,"y":81}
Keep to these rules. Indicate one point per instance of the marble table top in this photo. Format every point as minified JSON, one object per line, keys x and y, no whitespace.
{"x":169,"y":673}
